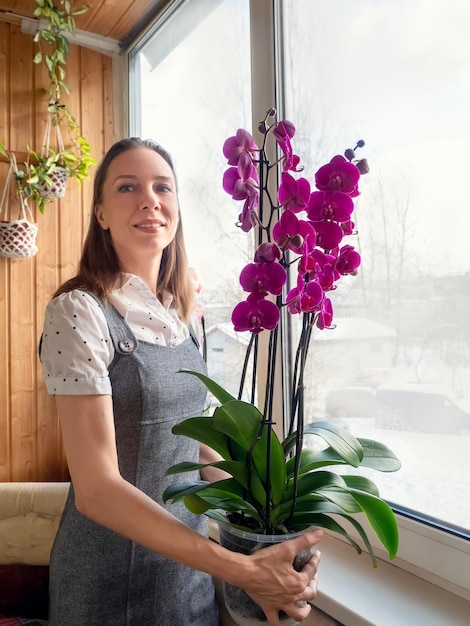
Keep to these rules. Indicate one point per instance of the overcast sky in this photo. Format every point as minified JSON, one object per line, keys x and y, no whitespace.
{"x":394,"y":73}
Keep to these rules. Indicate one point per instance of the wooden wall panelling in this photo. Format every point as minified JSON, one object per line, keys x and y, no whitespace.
{"x":30,"y":443}
{"x":109,"y":102}
{"x":93,"y":107}
{"x":49,"y":449}
{"x":70,"y":206}
{"x":5,"y":460}
{"x":22,"y":274}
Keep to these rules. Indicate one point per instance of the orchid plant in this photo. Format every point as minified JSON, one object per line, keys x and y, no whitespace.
{"x":281,"y":486}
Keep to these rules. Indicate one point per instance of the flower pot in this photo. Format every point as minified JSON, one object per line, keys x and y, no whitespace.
{"x":57,"y":188}
{"x":242,"y":609}
{"x":18,"y":239}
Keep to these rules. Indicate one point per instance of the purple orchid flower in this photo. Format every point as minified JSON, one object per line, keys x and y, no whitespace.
{"x":263,"y":278}
{"x":338,"y":175}
{"x":290,"y":233}
{"x":248,"y":218}
{"x":316,"y":240}
{"x":243,"y":180}
{"x":325,"y":314}
{"x":305,"y":297}
{"x":348,"y":261}
{"x":267,"y":253}
{"x":330,"y":205}
{"x":255,"y":314}
{"x":283,"y":133}
{"x":241,"y":143}
{"x":329,"y":234}
{"x":294,"y":194}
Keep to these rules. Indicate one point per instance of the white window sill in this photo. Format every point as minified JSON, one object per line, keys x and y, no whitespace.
{"x":352,"y":592}
{"x":356,"y":594}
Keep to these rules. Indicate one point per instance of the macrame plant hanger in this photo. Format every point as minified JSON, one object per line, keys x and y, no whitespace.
{"x":17,"y":237}
{"x":58,"y":176}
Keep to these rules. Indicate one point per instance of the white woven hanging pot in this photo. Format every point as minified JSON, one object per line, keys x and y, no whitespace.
{"x":17,"y":237}
{"x":57,"y":188}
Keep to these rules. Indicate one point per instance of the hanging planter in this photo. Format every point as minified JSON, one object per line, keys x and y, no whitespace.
{"x":17,"y":237}
{"x":54,"y":185}
{"x":46,"y":174}
{"x":57,"y":186}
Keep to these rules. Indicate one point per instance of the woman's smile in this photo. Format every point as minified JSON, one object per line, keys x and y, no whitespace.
{"x":150,"y":226}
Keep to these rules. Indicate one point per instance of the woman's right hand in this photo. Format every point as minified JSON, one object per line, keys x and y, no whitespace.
{"x":275,"y":585}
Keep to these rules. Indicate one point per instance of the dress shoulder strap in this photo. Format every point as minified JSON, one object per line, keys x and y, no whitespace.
{"x":123,"y":338}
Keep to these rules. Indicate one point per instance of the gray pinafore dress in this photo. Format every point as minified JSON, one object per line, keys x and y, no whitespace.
{"x":97,"y":577}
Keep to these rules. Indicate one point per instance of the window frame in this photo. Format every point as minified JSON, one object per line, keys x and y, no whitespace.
{"x":429,"y":553}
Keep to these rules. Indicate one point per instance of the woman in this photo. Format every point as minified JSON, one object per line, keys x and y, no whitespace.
{"x":114,"y":338}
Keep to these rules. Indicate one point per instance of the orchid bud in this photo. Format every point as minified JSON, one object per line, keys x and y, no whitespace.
{"x":363,"y":166}
{"x":360,"y":143}
{"x":349,"y":154}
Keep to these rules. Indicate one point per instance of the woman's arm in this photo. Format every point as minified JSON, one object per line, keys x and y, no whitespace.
{"x":105,"y":497}
{"x":208,"y":455}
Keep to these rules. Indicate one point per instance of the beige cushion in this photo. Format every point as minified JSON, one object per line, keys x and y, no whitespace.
{"x":29,"y":519}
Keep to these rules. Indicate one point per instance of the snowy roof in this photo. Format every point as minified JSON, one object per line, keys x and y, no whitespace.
{"x":227,"y":329}
{"x":354,"y":328}
{"x":346,"y":328}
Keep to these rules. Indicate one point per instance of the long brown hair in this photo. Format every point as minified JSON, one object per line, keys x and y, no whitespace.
{"x":99,"y":270}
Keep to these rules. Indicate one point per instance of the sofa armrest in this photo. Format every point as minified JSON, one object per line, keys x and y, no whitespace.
{"x":29,"y":518}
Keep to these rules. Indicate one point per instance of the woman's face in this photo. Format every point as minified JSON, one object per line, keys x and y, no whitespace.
{"x":139,"y":203}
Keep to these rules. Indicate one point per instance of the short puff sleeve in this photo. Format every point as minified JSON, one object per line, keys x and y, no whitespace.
{"x":76,"y":347}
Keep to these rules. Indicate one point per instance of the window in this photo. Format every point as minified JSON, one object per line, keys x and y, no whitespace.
{"x":341,"y":72}
{"x":190,"y":100}
{"x":374,"y":72}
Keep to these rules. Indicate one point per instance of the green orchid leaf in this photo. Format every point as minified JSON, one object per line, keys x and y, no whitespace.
{"x":381,"y":518}
{"x":202,"y":429}
{"x":178,"y":490}
{"x":304,"y":521}
{"x":257,"y":488}
{"x":363,"y":536}
{"x":312,"y":460}
{"x":277,"y":466}
{"x":227,"y":488}
{"x":218,"y":499}
{"x":378,"y":456}
{"x":342,"y":498}
{"x":237,"y":470}
{"x":361,"y":483}
{"x":309,"y":483}
{"x":313,"y":503}
{"x":195,"y":504}
{"x":242,"y":422}
{"x":342,"y":442}
{"x":238,"y":420}
{"x":219,"y":392}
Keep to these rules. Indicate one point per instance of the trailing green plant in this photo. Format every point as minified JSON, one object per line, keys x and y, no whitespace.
{"x":50,"y":167}
{"x":75,"y":159}
{"x":56,"y":21}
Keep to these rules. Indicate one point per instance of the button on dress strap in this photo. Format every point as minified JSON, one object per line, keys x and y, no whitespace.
{"x":126,"y":345}
{"x":122,"y":336}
